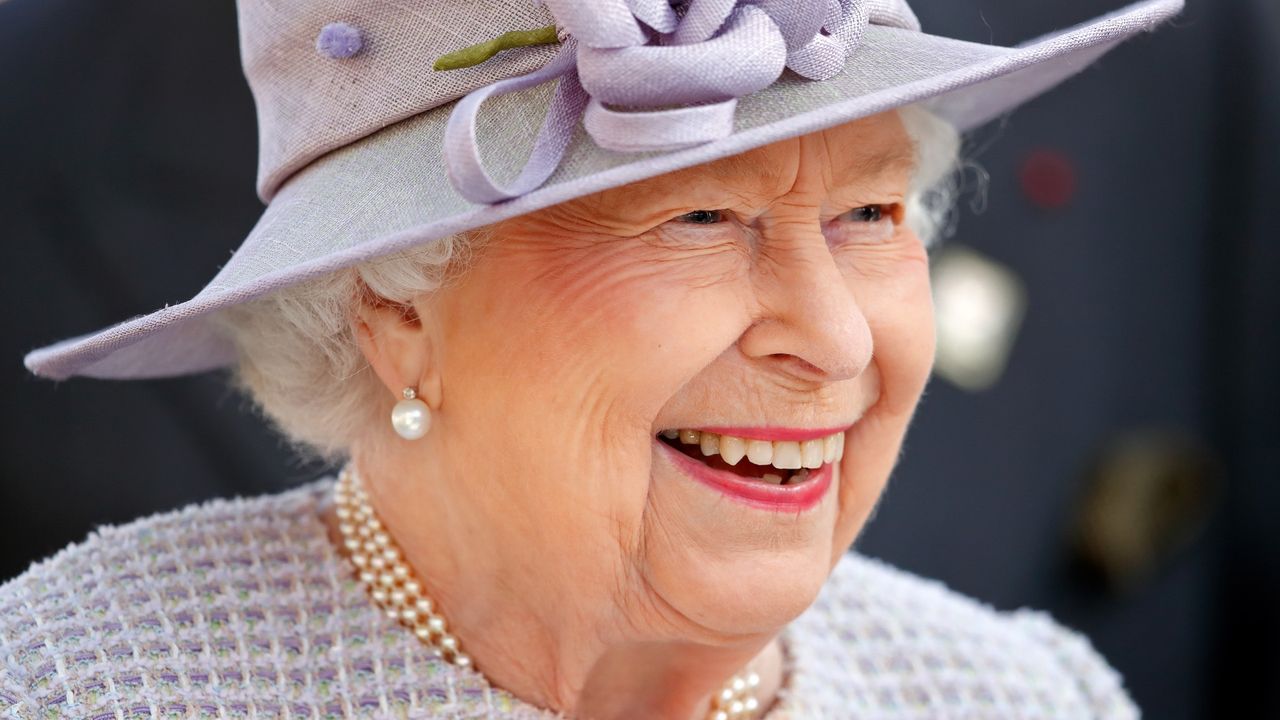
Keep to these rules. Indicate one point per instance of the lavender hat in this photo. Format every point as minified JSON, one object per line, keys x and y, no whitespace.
{"x":366,"y":150}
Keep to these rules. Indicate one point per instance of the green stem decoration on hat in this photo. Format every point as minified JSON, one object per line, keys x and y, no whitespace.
{"x":478,"y":53}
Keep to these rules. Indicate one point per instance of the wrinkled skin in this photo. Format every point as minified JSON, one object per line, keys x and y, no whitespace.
{"x":579,"y":568}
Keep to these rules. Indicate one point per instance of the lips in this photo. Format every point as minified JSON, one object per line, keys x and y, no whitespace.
{"x":803,"y":489}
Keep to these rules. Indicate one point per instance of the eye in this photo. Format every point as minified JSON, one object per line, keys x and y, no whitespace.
{"x":866,"y":214}
{"x":702,"y":217}
{"x":869,"y":224}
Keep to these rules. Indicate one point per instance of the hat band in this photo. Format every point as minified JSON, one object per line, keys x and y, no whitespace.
{"x":642,"y":54}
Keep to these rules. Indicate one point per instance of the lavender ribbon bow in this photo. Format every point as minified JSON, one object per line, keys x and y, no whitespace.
{"x":646,"y":56}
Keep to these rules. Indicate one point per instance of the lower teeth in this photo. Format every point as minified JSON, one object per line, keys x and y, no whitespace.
{"x":798,"y":476}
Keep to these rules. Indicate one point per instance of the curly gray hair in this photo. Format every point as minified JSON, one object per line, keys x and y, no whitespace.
{"x":298,"y":357}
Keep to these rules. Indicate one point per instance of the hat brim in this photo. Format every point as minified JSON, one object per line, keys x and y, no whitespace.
{"x":389,"y":191}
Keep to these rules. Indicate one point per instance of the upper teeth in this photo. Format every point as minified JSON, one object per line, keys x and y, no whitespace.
{"x":784,"y":455}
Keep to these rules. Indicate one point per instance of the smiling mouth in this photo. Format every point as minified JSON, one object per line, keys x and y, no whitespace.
{"x":783,"y":463}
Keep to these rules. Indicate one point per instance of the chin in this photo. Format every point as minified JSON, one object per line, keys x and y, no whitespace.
{"x":743,"y":593}
{"x":732,"y":566}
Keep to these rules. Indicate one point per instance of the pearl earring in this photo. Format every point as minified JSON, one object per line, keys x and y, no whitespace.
{"x":411,"y":417}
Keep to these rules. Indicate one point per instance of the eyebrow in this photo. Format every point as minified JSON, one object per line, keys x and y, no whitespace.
{"x":740,"y":166}
{"x":882,"y":161}
{"x":874,"y":163}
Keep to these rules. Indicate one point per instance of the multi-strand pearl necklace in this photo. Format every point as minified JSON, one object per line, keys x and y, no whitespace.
{"x":391,"y":583}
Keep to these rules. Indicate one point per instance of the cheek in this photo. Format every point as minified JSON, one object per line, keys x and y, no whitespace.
{"x":894,"y":294}
{"x":624,"y":330}
{"x":571,"y":353}
{"x":630,"y":321}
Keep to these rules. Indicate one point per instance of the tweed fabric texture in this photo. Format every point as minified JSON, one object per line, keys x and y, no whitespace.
{"x":309,"y":104}
{"x":243,"y":608}
{"x":389,"y":191}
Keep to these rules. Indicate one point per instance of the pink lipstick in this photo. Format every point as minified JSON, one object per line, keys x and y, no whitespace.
{"x":796,"y":497}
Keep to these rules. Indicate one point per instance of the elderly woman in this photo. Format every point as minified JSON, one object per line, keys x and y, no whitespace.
{"x":606,"y":430}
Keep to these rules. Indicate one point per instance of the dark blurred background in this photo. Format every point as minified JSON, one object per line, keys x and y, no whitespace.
{"x":1123,"y":473}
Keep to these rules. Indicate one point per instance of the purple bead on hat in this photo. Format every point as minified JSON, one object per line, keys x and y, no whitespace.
{"x":339,"y":40}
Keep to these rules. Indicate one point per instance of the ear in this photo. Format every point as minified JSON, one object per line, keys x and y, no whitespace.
{"x":399,"y":345}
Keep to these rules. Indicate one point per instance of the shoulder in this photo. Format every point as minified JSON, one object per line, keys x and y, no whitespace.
{"x":897,"y":645}
{"x":130,"y":602}
{"x":231,"y":608}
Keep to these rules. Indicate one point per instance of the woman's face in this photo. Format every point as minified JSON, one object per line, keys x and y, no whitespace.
{"x":773,"y":295}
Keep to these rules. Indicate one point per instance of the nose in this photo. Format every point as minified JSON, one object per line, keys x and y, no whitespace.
{"x":810,"y":324}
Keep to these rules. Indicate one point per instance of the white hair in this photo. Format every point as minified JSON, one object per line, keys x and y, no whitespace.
{"x":298,"y":357}
{"x":936,"y":185}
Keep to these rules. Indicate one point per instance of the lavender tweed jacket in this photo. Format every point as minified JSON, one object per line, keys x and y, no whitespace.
{"x":241,"y":608}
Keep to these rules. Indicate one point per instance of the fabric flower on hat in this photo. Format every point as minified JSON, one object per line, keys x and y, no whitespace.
{"x":646,"y":56}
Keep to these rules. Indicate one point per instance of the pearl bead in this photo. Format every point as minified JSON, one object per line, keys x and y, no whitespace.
{"x":411,"y":418}
{"x":449,"y":642}
{"x":436,"y":624}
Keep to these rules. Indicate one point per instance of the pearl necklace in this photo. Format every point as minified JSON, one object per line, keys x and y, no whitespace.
{"x":382,"y":569}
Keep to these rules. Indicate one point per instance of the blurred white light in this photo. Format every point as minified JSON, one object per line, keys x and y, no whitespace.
{"x":979,"y":305}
